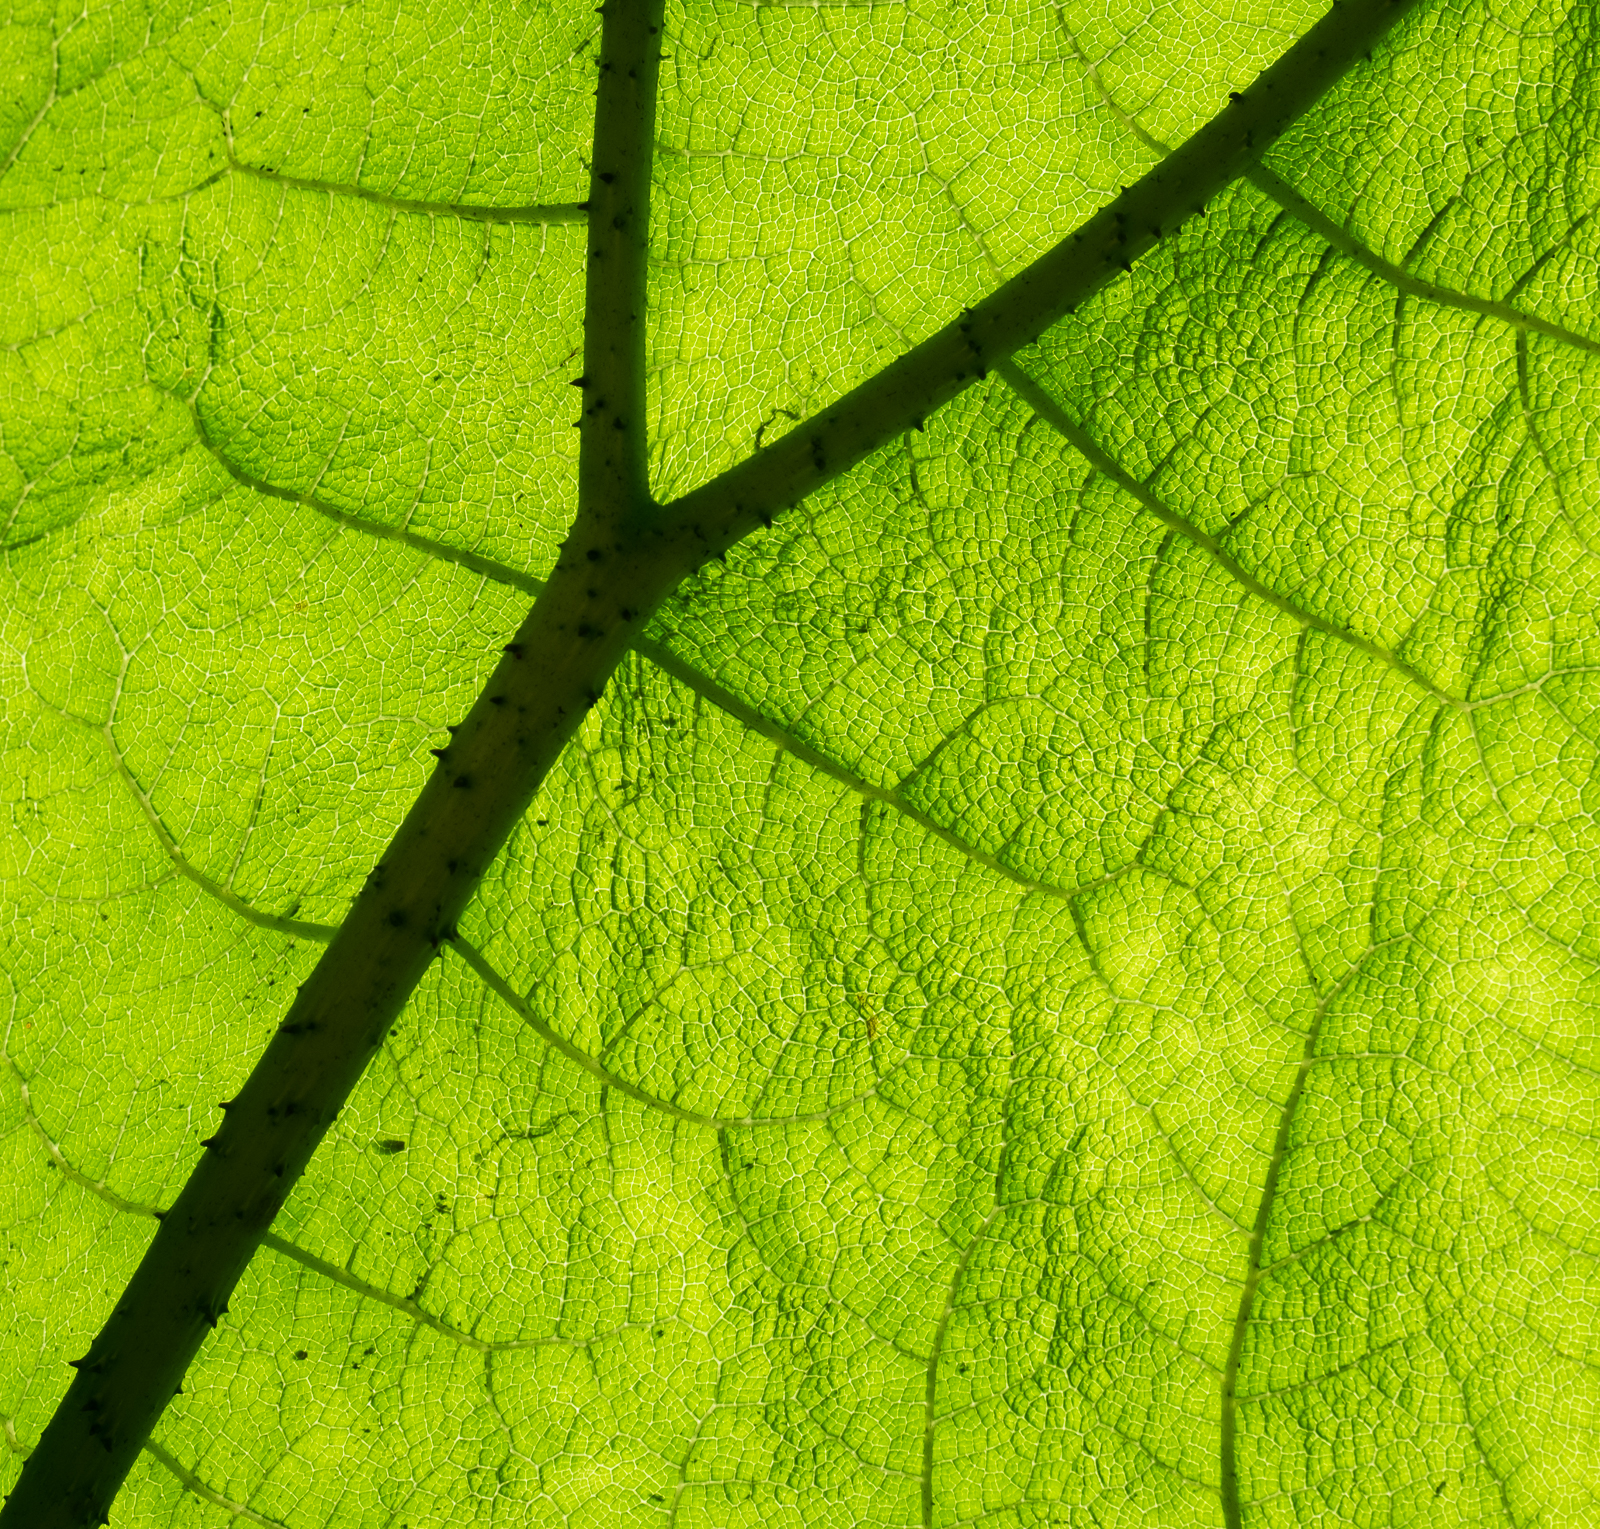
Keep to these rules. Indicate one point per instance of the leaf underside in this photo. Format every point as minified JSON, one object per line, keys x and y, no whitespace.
{"x":1057,"y":985}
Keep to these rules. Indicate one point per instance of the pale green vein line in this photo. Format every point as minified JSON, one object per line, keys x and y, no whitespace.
{"x":931,"y":1384}
{"x":1314,"y":1246}
{"x":544,"y":213}
{"x":194,"y":1484}
{"x":1487,"y":771}
{"x":1534,"y":687}
{"x":279,"y":923}
{"x":96,"y":1187}
{"x":485,"y":567}
{"x":1323,"y":1376}
{"x":360,"y":1287}
{"x":408,"y":1306}
{"x":519,"y":1006}
{"x":681,"y":1466}
{"x":1465,"y":1390}
{"x":663,"y":658}
{"x":1313,"y":217}
{"x":1188,"y":1173}
{"x":1255,"y":1271}
{"x":1092,"y":73}
{"x":1531,"y":425}
{"x":1325,"y":228}
{"x":25,"y":137}
{"x":1054,"y":415}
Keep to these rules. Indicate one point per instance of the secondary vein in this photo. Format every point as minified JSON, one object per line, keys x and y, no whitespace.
{"x":902,"y":395}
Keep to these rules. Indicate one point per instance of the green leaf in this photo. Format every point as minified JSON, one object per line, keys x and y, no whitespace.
{"x":1057,"y":984}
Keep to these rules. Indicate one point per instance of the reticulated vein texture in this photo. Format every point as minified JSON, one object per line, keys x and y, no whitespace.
{"x":1057,"y":986}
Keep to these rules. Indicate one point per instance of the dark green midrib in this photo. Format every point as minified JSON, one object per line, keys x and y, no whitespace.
{"x":116,"y":1398}
{"x":487,"y":973}
{"x":659,"y":653}
{"x":600,"y":593}
{"x":406,"y":1305}
{"x":1301,"y":208}
{"x":901,"y":397}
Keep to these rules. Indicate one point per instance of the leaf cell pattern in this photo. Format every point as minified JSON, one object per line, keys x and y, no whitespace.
{"x":1059,"y":983}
